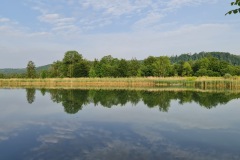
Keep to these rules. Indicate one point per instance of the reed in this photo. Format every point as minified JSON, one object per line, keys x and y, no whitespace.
{"x":194,"y":82}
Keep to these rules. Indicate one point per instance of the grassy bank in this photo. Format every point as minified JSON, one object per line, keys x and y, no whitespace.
{"x":195,"y":82}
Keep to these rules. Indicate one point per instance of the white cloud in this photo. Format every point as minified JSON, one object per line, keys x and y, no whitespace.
{"x":88,"y":15}
{"x":180,"y":3}
{"x":4,"y":20}
{"x":37,"y":34}
{"x":50,"y":18}
{"x":59,"y":23}
{"x":187,"y":38}
{"x":147,"y":33}
{"x":56,"y":19}
{"x":117,"y":8}
{"x":150,"y":20}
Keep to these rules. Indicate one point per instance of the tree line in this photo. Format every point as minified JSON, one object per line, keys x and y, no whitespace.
{"x":224,"y":56}
{"x":74,"y":65}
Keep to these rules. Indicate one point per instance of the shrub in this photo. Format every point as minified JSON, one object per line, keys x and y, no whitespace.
{"x":227,"y":76}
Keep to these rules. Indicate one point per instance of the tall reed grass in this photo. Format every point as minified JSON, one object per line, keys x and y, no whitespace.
{"x":194,"y":82}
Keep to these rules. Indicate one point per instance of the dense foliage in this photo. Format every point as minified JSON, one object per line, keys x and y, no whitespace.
{"x":224,"y":56}
{"x":74,"y":65}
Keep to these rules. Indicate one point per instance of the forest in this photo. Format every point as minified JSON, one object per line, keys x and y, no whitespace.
{"x":73,"y":64}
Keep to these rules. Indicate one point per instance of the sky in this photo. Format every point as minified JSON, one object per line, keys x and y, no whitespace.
{"x":43,"y":30}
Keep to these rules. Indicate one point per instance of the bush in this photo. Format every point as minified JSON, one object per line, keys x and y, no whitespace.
{"x":227,"y":76}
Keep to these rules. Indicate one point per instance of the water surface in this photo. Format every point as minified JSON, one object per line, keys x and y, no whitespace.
{"x":118,"y":124}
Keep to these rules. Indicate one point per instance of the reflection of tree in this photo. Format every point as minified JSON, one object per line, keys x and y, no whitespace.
{"x":43,"y":91}
{"x":105,"y":98}
{"x":209,"y":100}
{"x":30,"y":95}
{"x":109,"y":98}
{"x":160,"y":99}
{"x":134,"y":97}
{"x":56,"y":95}
{"x":184,"y":97}
{"x":74,"y":100}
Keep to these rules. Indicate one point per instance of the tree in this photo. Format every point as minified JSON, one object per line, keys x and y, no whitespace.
{"x":187,"y":69}
{"x":122,"y":68}
{"x":56,"y":69}
{"x":235,"y":11}
{"x":44,"y":74}
{"x":133,"y":67}
{"x":162,"y":66}
{"x":95,"y":69}
{"x":108,"y":67}
{"x":92,"y":72}
{"x":81,"y":69}
{"x":202,"y":63}
{"x":2,"y":75}
{"x":71,"y":58}
{"x":31,"y":70}
{"x":147,"y":67}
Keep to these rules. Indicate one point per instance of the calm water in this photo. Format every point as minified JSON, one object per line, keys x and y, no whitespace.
{"x":118,"y":124}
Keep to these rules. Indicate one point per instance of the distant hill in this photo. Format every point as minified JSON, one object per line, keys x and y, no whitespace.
{"x":23,"y":70}
{"x":225,"y":56}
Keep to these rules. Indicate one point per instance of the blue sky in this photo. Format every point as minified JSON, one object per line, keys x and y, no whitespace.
{"x":43,"y":30}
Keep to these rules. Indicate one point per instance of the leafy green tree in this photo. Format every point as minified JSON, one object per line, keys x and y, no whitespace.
{"x":31,"y":70}
{"x":2,"y":75}
{"x":176,"y":69}
{"x":95,"y":69}
{"x":71,"y":58}
{"x":92,"y":72}
{"x":187,"y":69}
{"x":56,"y":69}
{"x":81,"y":69}
{"x":108,"y":66}
{"x":214,"y":64}
{"x":147,"y":67}
{"x":134,"y":67}
{"x":44,"y":74}
{"x":235,"y":11}
{"x":161,"y":66}
{"x":223,"y":67}
{"x":122,"y":68}
{"x":202,"y":64}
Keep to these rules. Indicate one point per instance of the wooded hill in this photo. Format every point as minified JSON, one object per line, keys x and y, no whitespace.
{"x":23,"y":70}
{"x":224,"y":56}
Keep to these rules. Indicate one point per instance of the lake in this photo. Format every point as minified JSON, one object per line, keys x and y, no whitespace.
{"x":60,"y":124}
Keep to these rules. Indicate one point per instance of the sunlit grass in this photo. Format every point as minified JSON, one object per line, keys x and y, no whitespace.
{"x":195,"y":82}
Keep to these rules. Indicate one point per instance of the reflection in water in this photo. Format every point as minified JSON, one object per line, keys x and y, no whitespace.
{"x":42,"y":131}
{"x":30,"y":95}
{"x":74,"y":100}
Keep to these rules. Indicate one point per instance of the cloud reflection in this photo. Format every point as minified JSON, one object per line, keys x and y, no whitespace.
{"x":124,"y":132}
